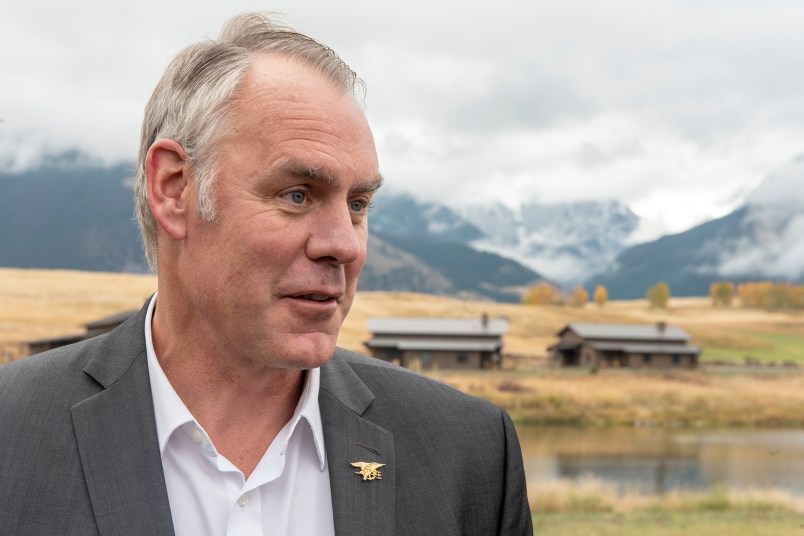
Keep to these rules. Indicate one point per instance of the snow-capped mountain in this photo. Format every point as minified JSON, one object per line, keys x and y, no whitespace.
{"x":402,"y":215}
{"x":762,"y":240}
{"x":771,"y":241}
{"x":566,"y":242}
{"x":74,"y":213}
{"x":438,"y":238}
{"x":69,"y":213}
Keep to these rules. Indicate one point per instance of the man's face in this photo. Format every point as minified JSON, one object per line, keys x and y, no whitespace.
{"x":273,"y":277}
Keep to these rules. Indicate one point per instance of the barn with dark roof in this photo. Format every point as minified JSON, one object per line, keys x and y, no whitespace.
{"x":624,"y":345}
{"x":438,"y":343}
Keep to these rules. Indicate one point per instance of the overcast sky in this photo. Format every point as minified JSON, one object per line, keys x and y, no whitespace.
{"x":677,"y":108}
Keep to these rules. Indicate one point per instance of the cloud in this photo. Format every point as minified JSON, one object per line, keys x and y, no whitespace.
{"x":678,"y":108}
{"x":785,"y":186}
{"x":779,"y":256}
{"x":771,"y":243}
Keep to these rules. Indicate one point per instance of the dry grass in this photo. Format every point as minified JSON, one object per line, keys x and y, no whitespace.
{"x":678,"y":398}
{"x":593,"y":496}
{"x":44,"y":303}
{"x":592,"y":508}
{"x":47,"y":303}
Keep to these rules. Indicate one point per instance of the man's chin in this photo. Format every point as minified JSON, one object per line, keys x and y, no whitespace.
{"x":307,"y":351}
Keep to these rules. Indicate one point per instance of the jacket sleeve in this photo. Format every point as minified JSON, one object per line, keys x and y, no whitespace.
{"x":515,"y":519}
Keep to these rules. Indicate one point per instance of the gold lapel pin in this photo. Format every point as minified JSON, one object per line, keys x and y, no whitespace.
{"x":369,"y":470}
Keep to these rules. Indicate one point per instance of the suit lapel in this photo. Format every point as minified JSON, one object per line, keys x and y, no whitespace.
{"x":360,"y":507}
{"x":116,"y":435}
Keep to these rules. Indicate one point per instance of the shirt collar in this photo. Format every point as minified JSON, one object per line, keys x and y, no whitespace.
{"x":171,"y":413}
{"x":309,"y":410}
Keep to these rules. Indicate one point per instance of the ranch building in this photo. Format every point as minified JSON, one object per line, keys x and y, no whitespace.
{"x":91,"y":329}
{"x":438,"y":343}
{"x":624,"y":345}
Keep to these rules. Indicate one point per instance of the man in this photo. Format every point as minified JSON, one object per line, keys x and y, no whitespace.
{"x":223,"y":407}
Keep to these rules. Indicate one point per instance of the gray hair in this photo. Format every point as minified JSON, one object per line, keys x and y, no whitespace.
{"x":191,"y":104}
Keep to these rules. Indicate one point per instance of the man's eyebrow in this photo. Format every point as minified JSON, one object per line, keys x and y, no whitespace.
{"x":317,"y":174}
{"x":369,"y":187}
{"x":323,"y":175}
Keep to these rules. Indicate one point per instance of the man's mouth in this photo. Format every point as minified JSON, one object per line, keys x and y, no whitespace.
{"x":316,"y":297}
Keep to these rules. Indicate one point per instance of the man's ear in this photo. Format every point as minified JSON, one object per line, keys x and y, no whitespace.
{"x":168,"y":186}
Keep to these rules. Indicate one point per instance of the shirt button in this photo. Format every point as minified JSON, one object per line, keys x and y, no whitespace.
{"x":197,"y":438}
{"x":243,"y":500}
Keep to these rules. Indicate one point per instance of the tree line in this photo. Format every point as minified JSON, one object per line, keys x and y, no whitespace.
{"x":757,"y":294}
{"x":546,"y":294}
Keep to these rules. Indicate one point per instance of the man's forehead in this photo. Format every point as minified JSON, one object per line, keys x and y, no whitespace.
{"x":300,"y":124}
{"x":278,"y":88}
{"x":281,"y":74}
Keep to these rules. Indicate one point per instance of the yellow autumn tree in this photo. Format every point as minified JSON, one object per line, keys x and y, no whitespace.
{"x":541,"y":294}
{"x":601,"y":295}
{"x":722,"y":293}
{"x":770,"y":295}
{"x":579,"y":297}
{"x":658,"y":295}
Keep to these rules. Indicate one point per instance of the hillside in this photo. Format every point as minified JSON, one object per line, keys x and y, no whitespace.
{"x":73,"y":213}
{"x":44,"y":303}
{"x":758,"y":241}
{"x":69,"y":214}
{"x":753,"y":243}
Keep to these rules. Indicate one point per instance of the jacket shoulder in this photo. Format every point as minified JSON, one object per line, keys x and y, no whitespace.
{"x":76,"y":370}
{"x":46,"y":374}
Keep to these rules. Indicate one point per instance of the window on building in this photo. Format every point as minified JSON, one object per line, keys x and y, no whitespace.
{"x":676,"y":359}
{"x":646,"y":358}
{"x":426,"y":358}
{"x":462,"y":358}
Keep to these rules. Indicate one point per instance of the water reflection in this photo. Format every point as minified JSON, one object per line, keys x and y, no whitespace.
{"x":655,"y":460}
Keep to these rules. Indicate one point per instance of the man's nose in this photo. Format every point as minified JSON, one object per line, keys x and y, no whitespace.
{"x":335,"y":237}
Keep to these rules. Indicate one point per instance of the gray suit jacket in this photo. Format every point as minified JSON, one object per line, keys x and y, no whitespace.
{"x":79,"y":452}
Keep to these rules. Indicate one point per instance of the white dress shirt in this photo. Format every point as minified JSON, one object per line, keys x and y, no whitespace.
{"x":287,"y":494}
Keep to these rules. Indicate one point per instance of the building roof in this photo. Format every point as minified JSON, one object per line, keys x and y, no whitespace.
{"x":63,"y":339}
{"x":114,"y":320}
{"x":565,"y":346}
{"x":633,"y":332}
{"x":647,"y":348}
{"x":435,"y":344}
{"x":494,"y":327}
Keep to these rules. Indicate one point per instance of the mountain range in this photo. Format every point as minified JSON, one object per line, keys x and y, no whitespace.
{"x":761,"y":240}
{"x":73,"y":213}
{"x":568,"y":242}
{"x":69,"y":213}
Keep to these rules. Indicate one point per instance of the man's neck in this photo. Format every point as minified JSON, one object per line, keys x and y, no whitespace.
{"x":241,"y":405}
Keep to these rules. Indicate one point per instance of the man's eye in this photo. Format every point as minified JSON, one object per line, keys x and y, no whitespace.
{"x":297,"y":197}
{"x":358,"y":205}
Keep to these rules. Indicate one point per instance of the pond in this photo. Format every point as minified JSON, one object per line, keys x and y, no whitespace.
{"x":658,"y":460}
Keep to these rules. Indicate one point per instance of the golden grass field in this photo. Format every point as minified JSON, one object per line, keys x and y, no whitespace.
{"x":589,"y":508}
{"x":532,"y":328}
{"x":45,"y":303}
{"x":37,"y":304}
{"x":647,"y":398}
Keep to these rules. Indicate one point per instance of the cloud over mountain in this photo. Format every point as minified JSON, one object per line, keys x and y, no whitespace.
{"x":773,"y":241}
